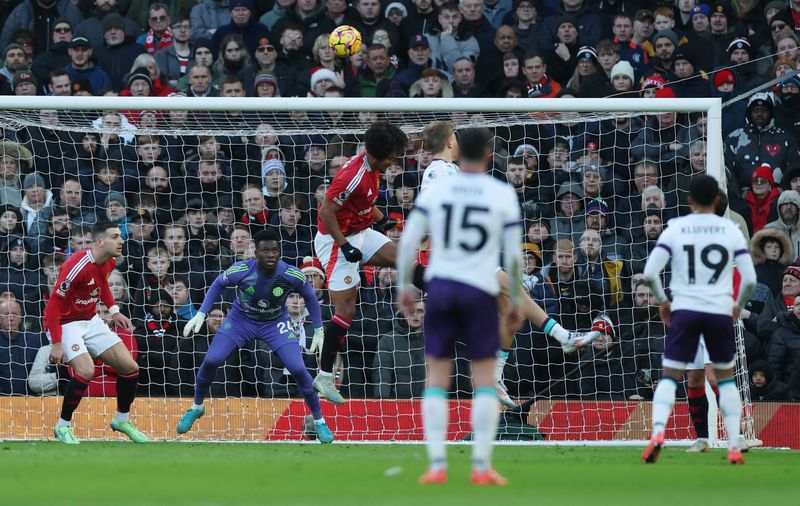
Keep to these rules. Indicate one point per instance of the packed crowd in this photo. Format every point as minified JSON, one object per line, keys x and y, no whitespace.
{"x":595,"y":194}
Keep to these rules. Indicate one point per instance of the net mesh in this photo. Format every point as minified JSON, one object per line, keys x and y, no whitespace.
{"x":190,"y":190}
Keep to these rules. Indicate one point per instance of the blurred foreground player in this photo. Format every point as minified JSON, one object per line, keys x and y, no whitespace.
{"x":701,"y":249}
{"x":439,"y":137}
{"x":345,"y":239}
{"x":78,"y":334}
{"x":259,"y":312}
{"x":470,"y":217}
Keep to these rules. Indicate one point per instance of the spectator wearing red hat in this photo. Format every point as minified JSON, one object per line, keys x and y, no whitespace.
{"x":764,"y":324}
{"x":762,"y":197}
{"x":651,"y":84}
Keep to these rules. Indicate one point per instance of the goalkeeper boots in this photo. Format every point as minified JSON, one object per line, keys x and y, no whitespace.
{"x":650,"y":454}
{"x":188,"y":419}
{"x":65,"y":435}
{"x":578,"y":339}
{"x":735,"y":456}
{"x":490,"y":477}
{"x":129,"y":430}
{"x":503,"y":397}
{"x":324,"y":385}
{"x":324,"y":433}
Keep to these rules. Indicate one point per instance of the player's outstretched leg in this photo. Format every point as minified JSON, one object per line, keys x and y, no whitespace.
{"x":663,"y":400}
{"x":72,"y":397}
{"x":221,"y":347}
{"x":293,"y":361}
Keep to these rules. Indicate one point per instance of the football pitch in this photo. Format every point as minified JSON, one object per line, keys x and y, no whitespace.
{"x":344,"y":474}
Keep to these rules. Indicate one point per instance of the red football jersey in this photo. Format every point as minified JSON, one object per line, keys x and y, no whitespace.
{"x":355,"y":189}
{"x":80,"y":284}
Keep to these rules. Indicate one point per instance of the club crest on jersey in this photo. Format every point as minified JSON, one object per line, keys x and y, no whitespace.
{"x":76,"y":347}
{"x":277,"y":291}
{"x":348,"y":279}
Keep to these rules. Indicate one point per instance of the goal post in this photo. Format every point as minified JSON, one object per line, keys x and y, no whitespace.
{"x":215,"y":150}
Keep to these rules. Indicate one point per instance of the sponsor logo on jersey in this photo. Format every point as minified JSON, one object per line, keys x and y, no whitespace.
{"x":365,"y":212}
{"x":263,"y":303}
{"x":277,"y":291}
{"x":86,"y":302}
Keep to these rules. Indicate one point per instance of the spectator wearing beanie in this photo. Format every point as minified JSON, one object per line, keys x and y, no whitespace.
{"x":651,"y":84}
{"x":117,"y":52}
{"x":664,"y":42}
{"x":787,"y":110}
{"x":593,"y":23}
{"x":243,"y":23}
{"x":740,"y":59}
{"x":622,"y":77}
{"x":92,"y":26}
{"x":762,"y":197}
{"x":687,"y":79}
{"x":759,"y":141}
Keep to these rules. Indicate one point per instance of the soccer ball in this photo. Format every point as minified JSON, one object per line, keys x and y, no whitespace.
{"x":345,"y":41}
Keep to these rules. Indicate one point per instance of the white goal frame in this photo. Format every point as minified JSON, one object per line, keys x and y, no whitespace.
{"x":711,"y":107}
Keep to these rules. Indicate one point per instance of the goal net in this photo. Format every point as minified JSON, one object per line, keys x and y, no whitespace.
{"x":190,"y":181}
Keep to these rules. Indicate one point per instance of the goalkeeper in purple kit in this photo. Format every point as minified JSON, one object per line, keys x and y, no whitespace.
{"x":259,"y":312}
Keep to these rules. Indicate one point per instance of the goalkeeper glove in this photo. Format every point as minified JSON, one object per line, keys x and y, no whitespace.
{"x":385,"y":224}
{"x":350,"y":252}
{"x":316,"y":341}
{"x":195,"y":324}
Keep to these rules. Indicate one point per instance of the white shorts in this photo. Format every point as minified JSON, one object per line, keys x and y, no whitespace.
{"x":87,"y":336}
{"x":701,"y":358}
{"x":340,"y":273}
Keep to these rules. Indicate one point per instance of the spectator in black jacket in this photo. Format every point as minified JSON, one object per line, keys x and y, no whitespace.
{"x":784,"y":350}
{"x":764,"y":386}
{"x":118,"y":51}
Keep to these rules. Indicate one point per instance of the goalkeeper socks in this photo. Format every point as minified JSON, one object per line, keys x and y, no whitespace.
{"x":663,"y":399}
{"x":292,"y":359}
{"x":485,"y":416}
{"x":335,"y":333}
{"x":434,"y":420}
{"x":126,"y":392}
{"x":731,"y":407}
{"x":205,"y":376}
{"x":502,"y":357}
{"x":554,"y":329}
{"x":76,"y":388}
{"x":698,"y":410}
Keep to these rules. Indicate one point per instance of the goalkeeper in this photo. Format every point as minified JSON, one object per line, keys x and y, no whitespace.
{"x":259,"y":312}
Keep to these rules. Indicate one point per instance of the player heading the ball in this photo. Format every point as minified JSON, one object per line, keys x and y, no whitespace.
{"x":259,"y":312}
{"x":345,"y":239}
{"x":471,"y":217}
{"x":701,"y":249}
{"x":78,"y":334}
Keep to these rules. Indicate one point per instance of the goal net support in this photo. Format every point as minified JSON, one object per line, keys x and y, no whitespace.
{"x":191,"y":180}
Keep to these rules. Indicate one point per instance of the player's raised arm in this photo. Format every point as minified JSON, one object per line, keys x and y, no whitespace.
{"x":223,"y":281}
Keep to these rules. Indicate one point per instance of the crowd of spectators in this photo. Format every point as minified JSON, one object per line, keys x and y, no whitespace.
{"x":595,"y":194}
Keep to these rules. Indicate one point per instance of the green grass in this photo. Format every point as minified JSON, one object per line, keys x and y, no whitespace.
{"x":290,"y":474}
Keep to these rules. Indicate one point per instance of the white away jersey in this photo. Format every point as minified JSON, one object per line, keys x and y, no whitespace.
{"x":703,"y":249}
{"x":438,"y":169}
{"x":468,"y":217}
